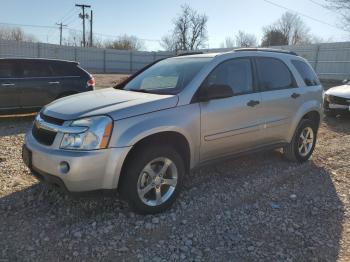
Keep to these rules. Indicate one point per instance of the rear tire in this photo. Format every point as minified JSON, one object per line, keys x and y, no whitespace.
{"x":152,"y":179}
{"x":303,"y":143}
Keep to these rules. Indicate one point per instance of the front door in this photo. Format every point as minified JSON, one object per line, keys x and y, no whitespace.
{"x":36,"y":84}
{"x":231,"y":124}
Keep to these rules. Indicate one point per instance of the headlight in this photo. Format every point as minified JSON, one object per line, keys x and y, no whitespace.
{"x":326,"y":97}
{"x":95,"y":137}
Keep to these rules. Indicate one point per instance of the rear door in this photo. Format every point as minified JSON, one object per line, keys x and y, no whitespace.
{"x":281,"y":98}
{"x":231,"y":124}
{"x":36,"y":83}
{"x":9,"y":84}
{"x":69,"y":77}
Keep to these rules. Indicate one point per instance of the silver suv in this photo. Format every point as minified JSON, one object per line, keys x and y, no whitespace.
{"x":142,"y":137}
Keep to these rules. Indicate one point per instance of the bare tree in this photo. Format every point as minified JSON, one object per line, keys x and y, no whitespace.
{"x":15,"y":33}
{"x":343,"y":8}
{"x":290,"y":29}
{"x":273,"y":37}
{"x":126,"y":42}
{"x":229,"y":43}
{"x":245,"y":40}
{"x":189,"y":33}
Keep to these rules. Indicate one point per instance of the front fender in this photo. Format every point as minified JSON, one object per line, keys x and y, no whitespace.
{"x":184,"y":120}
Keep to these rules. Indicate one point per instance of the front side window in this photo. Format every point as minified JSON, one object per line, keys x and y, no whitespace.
{"x":236,"y":73}
{"x":273,"y":74}
{"x":306,"y":73}
{"x":169,"y":76}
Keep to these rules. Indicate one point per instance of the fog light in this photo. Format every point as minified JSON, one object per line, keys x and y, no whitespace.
{"x":64,"y":167}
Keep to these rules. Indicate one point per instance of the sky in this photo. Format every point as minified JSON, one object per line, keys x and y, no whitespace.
{"x":152,"y":19}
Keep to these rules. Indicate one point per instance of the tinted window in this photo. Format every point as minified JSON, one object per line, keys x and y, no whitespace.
{"x":273,"y":74}
{"x":35,"y":69}
{"x":7,"y":69}
{"x":65,"y":69}
{"x":235,"y":73}
{"x":306,"y":73}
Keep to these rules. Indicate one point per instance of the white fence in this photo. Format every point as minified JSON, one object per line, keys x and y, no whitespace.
{"x":95,"y":60}
{"x":330,"y":60}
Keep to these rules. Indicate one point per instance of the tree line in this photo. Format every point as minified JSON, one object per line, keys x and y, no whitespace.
{"x":189,"y":32}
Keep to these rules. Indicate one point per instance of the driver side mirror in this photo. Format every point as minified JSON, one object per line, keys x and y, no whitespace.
{"x":345,"y":81}
{"x":216,"y":91}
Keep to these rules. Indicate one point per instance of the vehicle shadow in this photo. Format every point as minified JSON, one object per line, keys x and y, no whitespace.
{"x":15,"y":125}
{"x":339,"y":124}
{"x":256,"y":191}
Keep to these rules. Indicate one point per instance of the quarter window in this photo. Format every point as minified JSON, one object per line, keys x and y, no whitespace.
{"x":236,"y":73}
{"x":306,"y":73}
{"x":273,"y":74}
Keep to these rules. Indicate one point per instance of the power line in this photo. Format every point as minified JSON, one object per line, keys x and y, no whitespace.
{"x":70,"y":28}
{"x":68,"y":14}
{"x":317,"y":3}
{"x":304,"y":15}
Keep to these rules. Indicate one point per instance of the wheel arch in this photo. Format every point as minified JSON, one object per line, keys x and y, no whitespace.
{"x":172,"y":138}
{"x":312,"y":111}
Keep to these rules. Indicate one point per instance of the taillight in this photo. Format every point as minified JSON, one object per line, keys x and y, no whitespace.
{"x":91,"y":83}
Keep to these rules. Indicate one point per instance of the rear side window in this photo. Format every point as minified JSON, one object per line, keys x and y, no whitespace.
{"x":8,"y":69}
{"x":236,"y":73}
{"x":306,"y":73}
{"x":66,"y":69}
{"x":273,"y":74}
{"x":35,"y":69}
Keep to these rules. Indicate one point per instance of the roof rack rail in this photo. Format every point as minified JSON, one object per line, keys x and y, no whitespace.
{"x":266,"y":50}
{"x":190,"y":53}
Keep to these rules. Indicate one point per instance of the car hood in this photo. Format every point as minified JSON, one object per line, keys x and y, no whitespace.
{"x":341,"y":91}
{"x":118,"y":104}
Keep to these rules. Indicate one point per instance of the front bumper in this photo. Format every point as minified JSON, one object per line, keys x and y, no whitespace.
{"x":334,"y":103}
{"x":88,"y":170}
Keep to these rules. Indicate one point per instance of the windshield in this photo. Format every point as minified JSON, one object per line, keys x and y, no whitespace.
{"x":169,"y":76}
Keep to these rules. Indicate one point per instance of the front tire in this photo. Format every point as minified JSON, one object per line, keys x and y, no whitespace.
{"x":303,"y":143}
{"x":152,"y":179}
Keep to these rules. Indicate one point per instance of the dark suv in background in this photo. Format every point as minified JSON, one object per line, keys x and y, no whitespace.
{"x":26,"y":85}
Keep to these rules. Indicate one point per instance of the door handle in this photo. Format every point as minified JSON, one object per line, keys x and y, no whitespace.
{"x":8,"y":84}
{"x":54,"y":83}
{"x":295,"y":95}
{"x":253,"y":103}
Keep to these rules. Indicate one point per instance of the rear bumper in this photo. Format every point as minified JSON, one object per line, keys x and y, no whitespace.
{"x":88,"y":170}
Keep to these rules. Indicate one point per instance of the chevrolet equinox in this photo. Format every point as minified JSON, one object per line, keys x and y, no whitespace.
{"x":142,"y":137}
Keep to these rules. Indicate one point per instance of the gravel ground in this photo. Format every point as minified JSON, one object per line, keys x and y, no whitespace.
{"x":258,"y":207}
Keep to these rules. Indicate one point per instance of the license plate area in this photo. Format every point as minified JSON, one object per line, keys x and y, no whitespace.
{"x":27,"y":156}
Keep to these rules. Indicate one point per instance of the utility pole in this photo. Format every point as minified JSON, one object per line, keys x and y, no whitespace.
{"x":61,"y":28}
{"x":90,"y":28}
{"x":83,"y":16}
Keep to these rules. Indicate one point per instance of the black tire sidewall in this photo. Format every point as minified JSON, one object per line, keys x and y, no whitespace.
{"x":303,"y":124}
{"x":138,"y":160}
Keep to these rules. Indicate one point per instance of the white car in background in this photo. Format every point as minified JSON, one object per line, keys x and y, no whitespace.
{"x":337,"y":99}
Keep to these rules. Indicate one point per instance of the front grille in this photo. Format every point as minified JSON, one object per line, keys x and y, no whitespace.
{"x":338,"y":100}
{"x":43,"y":136}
